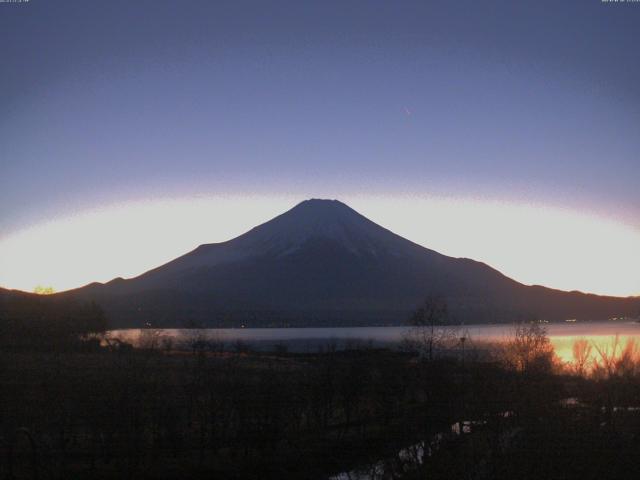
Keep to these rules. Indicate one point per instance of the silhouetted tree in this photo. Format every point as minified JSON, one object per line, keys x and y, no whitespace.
{"x":529,"y":349}
{"x":429,"y":333}
{"x":581,"y":355}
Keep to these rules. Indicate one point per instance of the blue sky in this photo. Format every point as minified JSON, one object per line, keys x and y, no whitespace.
{"x":533,"y":102}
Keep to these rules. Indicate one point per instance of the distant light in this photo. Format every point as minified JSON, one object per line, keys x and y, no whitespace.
{"x":41,"y":290}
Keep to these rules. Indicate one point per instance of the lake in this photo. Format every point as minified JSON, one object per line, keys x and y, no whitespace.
{"x":562,"y":335}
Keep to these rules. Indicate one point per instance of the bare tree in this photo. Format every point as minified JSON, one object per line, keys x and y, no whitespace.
{"x":614,"y":359}
{"x":529,"y":350}
{"x":605,"y":364}
{"x":429,"y":334}
{"x":582,"y":350}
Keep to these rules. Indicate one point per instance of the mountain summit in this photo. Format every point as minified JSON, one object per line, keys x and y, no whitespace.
{"x":327,"y":220}
{"x":309,"y":226}
{"x":322,"y":263}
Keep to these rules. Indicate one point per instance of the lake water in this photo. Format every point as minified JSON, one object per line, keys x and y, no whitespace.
{"x":562,"y":335}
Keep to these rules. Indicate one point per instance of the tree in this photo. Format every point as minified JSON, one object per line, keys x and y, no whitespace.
{"x":529,"y":350}
{"x":581,"y":355}
{"x":429,"y":334}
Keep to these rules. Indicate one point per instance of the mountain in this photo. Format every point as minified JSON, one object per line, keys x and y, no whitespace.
{"x":322,"y":263}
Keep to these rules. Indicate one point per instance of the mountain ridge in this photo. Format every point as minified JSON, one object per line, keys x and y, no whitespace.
{"x":323,"y":263}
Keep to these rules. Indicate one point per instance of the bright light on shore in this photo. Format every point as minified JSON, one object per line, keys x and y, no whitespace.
{"x":534,"y":245}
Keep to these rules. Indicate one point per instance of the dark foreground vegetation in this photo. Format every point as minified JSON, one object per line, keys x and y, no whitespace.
{"x":439,"y":408}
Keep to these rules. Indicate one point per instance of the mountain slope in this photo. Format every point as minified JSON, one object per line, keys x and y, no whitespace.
{"x":322,"y":263}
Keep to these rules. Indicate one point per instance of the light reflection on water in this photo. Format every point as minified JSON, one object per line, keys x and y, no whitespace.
{"x":561,"y":335}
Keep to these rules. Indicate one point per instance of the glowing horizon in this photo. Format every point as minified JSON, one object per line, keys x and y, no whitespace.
{"x":533,"y":244}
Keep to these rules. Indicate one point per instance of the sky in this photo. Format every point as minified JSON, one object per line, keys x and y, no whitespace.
{"x":504,"y":131}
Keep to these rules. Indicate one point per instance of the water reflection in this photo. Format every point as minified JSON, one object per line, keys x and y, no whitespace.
{"x":409,"y":459}
{"x":596,"y":337}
